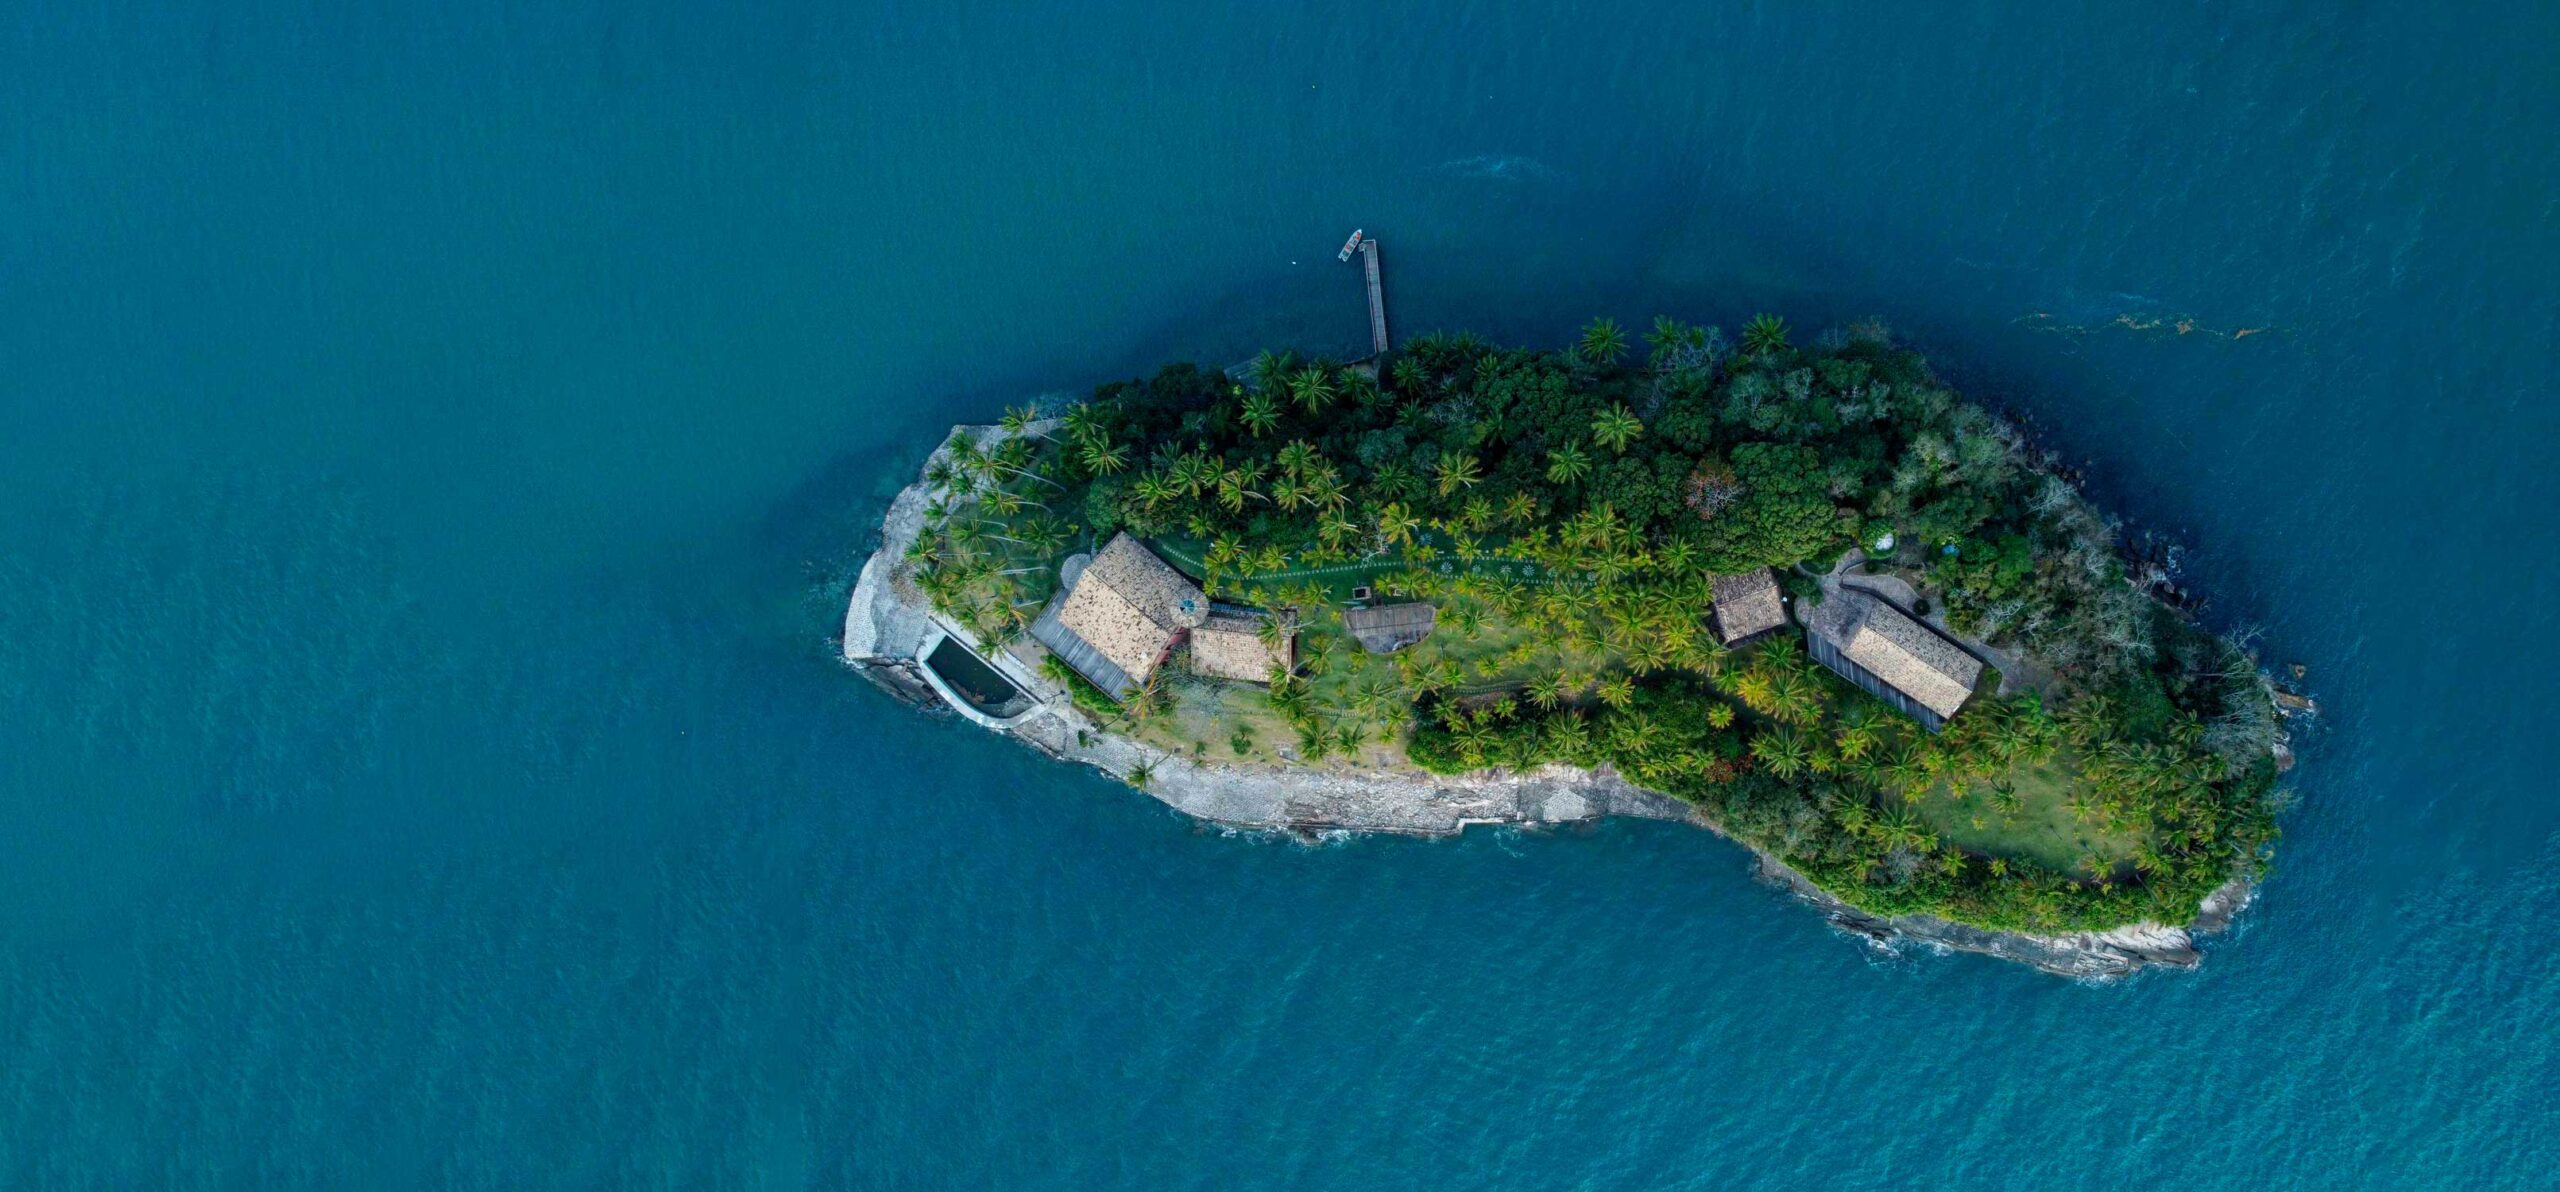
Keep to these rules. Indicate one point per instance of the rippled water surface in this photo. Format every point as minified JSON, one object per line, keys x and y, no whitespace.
{"x":434,"y":449}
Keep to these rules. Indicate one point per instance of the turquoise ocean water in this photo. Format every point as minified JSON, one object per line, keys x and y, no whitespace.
{"x":435,"y":446}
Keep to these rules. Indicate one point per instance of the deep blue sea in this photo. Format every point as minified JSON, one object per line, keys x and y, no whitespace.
{"x":435,"y":447}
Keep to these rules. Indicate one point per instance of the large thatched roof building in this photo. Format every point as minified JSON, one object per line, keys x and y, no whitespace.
{"x":1747,"y":605}
{"x":1898,"y":660}
{"x":1120,"y":615}
{"x":1389,"y":628}
{"x":1229,"y":645}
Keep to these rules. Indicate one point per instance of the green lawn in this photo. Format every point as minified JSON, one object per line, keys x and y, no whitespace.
{"x":1497,"y":655}
{"x":2042,"y":830}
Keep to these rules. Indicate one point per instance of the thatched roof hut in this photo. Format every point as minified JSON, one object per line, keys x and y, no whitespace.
{"x":1229,"y":646}
{"x":1389,"y":628}
{"x":1747,"y":605}
{"x":1121,"y":614}
{"x":1897,"y":659}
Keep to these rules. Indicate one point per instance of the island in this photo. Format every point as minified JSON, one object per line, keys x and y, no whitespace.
{"x":1806,"y":596}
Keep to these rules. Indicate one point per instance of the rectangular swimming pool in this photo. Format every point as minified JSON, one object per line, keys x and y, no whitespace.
{"x":989,"y":692}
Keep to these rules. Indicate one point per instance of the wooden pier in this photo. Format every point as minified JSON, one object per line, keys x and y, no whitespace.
{"x":1377,"y":298}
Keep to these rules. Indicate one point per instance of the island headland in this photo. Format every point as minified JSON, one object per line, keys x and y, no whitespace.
{"x":1804,"y":596}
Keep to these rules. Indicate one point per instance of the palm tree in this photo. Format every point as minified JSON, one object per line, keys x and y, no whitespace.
{"x":1764,"y":334}
{"x":1567,"y":464}
{"x":1014,"y":459}
{"x":1083,"y":421}
{"x":1226,"y":553}
{"x":1002,"y":502}
{"x":1335,"y":528}
{"x":1899,"y":828}
{"x":1196,"y":472}
{"x":1570,"y":736}
{"x":1101,"y":456}
{"x":1409,"y":374}
{"x":1393,"y":479}
{"x":1633,"y":737}
{"x":1667,"y":334}
{"x":1312,"y":387}
{"x":1603,"y":343}
{"x":1752,"y":687}
{"x":1782,"y":751}
{"x":2089,"y":721}
{"x":1519,"y":509}
{"x":1396,"y":524}
{"x":1477,"y":515}
{"x":1795,"y":698}
{"x":1154,"y":489}
{"x":1326,"y":489}
{"x":1224,"y":556}
{"x":1018,"y":419}
{"x":1648,"y":655}
{"x":1457,"y":470}
{"x":982,"y":531}
{"x":941,"y":475}
{"x":1616,"y":427}
{"x":1474,"y":740}
{"x":1044,"y":534}
{"x":1617,"y":691}
{"x":1907,"y":769}
{"x":1547,"y":692}
{"x":1261,"y":414}
{"x":1299,"y":457}
{"x":1271,"y":372}
{"x":1235,"y":486}
{"x":1677,"y":557}
{"x":967,"y":460}
{"x":1857,"y":738}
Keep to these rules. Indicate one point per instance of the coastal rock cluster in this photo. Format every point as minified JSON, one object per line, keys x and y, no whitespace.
{"x":889,"y":622}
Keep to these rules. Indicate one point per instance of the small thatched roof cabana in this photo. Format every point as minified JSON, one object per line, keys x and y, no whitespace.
{"x":1897,"y":659}
{"x":1747,"y":605}
{"x":1229,"y":646}
{"x":1389,"y":628}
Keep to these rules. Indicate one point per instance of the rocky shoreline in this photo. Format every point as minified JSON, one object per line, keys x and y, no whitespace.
{"x":888,"y":622}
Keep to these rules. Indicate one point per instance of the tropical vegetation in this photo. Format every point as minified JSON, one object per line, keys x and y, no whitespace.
{"x":1565,"y":512}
